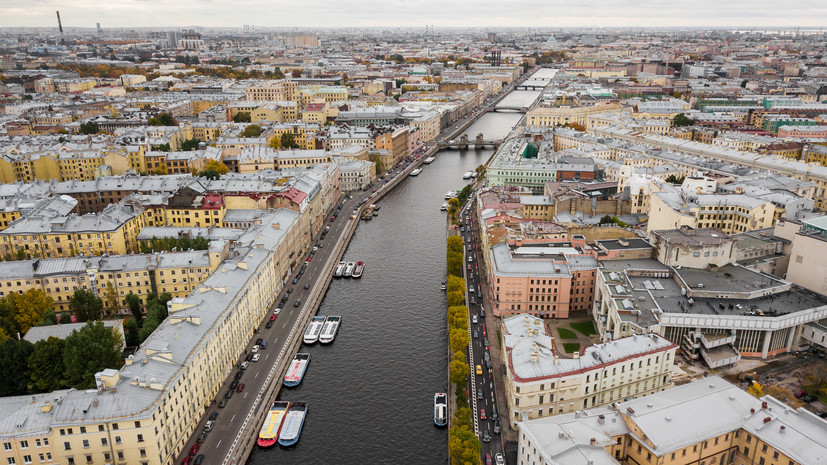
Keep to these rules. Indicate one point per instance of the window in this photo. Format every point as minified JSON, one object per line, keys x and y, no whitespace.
{"x":137,"y":424}
{"x":6,"y":446}
{"x":67,"y":446}
{"x":104,"y":441}
{"x":88,"y":459}
{"x":120,"y":455}
{"x":24,"y":444}
{"x":117,"y":439}
{"x":140,"y":438}
{"x":85,"y":443}
{"x":10,"y":460}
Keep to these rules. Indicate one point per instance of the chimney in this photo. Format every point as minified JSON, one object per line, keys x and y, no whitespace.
{"x":592,"y":441}
{"x":763,"y":405}
{"x":783,"y":428}
{"x":767,"y":420}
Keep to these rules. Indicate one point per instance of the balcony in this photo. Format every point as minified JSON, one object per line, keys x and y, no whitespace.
{"x":720,"y":356}
{"x":710,"y":341}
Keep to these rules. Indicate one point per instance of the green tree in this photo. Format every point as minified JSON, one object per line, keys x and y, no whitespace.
{"x":49,"y":318}
{"x":209,"y":173}
{"x":380,"y":165}
{"x":463,"y":446}
{"x":131,"y":333}
{"x":45,"y":365}
{"x":111,"y":298}
{"x":162,"y":148}
{"x":89,"y":350}
{"x":288,"y":141}
{"x":14,"y":366}
{"x":459,"y":371}
{"x":90,"y":127}
{"x":190,"y":144}
{"x":85,"y":306}
{"x":682,"y":120}
{"x":164,"y":119}
{"x":134,"y":304}
{"x":672,"y":179}
{"x":252,"y":130}
{"x":242,"y":117}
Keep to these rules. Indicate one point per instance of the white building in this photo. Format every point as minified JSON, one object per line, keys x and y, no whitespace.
{"x":540,"y":383}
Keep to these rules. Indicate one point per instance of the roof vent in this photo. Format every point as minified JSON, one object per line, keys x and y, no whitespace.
{"x":764,"y":405}
{"x":783,"y":428}
{"x":668,"y":418}
{"x":767,"y":420}
{"x":630,"y":410}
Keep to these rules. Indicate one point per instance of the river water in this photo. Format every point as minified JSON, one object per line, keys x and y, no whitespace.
{"x":370,"y":393}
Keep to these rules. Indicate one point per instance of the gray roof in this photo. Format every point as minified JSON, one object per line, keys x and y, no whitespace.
{"x":62,"y":331}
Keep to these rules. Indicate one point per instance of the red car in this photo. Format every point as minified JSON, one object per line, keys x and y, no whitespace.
{"x":194,"y":449}
{"x":238,"y":388}
{"x":798,"y":393}
{"x":487,"y":459}
{"x":186,"y":460}
{"x":332,"y":219}
{"x":482,"y":414}
{"x":272,"y":317}
{"x":309,"y":258}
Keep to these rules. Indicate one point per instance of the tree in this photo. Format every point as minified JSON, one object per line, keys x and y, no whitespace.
{"x":463,"y":446}
{"x":111,"y":296}
{"x":45,"y":365}
{"x":209,"y":173}
{"x":90,"y":127}
{"x":288,"y":141}
{"x":673,"y":179}
{"x":190,"y":144}
{"x":575,"y":126}
{"x":217,"y":166}
{"x":756,"y":390}
{"x":162,"y":148}
{"x":242,"y":117}
{"x":458,"y":339}
{"x":19,"y":312}
{"x":14,"y":362}
{"x":380,"y":165}
{"x":134,"y":304}
{"x":455,"y":298}
{"x":90,"y":350}
{"x":85,"y":306}
{"x":131,"y":333}
{"x":164,"y":119}
{"x":682,"y":120}
{"x":296,"y":73}
{"x":459,"y":371}
{"x":252,"y":130}
{"x":784,"y":395}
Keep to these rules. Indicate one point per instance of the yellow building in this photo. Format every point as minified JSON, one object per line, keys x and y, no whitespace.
{"x":732,"y":213}
{"x":709,"y":422}
{"x":328,"y":94}
{"x":113,"y":231}
{"x":272,"y":91}
{"x":144,"y":413}
{"x":545,"y":116}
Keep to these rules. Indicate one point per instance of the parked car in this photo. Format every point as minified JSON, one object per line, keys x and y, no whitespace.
{"x":798,"y":393}
{"x":256,"y":357}
{"x":234,"y":384}
{"x":244,"y":365}
{"x":214,"y":416}
{"x":499,"y":459}
{"x":273,"y":317}
{"x":199,"y":460}
{"x":259,"y":340}
{"x":255,"y":348}
{"x":497,"y":427}
{"x":476,"y":334}
{"x":488,"y":459}
{"x":263,"y":344}
{"x":223,"y":403}
{"x":296,"y":280}
{"x":307,"y":286}
{"x":240,"y":388}
{"x":194,"y":449}
{"x":186,"y":461}
{"x":208,"y":426}
{"x":202,"y":437}
{"x":269,"y":324}
{"x":486,"y":437}
{"x":238,"y":375}
{"x":248,"y":357}
{"x":809,"y":398}
{"x":229,"y":393}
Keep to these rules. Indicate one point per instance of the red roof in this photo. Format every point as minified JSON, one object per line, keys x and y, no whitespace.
{"x":295,"y":195}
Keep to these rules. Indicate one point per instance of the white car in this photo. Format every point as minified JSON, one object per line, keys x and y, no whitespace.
{"x":277,"y":311}
{"x":256,"y":357}
{"x":255,"y":348}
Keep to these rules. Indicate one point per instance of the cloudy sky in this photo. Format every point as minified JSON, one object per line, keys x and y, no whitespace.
{"x":417,"y":13}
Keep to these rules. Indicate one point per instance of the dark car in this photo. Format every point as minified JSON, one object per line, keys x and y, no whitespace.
{"x":296,"y":280}
{"x":494,"y":414}
{"x":479,"y":393}
{"x":822,"y":414}
{"x":809,"y":398}
{"x":476,"y":334}
{"x":297,"y":303}
{"x":497,"y":427}
{"x":202,"y":438}
{"x":238,"y":375}
{"x":290,"y":291}
{"x":199,"y":460}
{"x":234,"y":384}
{"x":213,"y":416}
{"x":486,"y":437}
{"x":269,"y":324}
{"x":248,"y":357}
{"x":229,"y":393}
{"x":281,"y":304}
{"x":259,"y":340}
{"x":223,"y":403}
{"x":263,"y":345}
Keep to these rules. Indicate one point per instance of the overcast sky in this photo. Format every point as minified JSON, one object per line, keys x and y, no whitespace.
{"x":416,"y":13}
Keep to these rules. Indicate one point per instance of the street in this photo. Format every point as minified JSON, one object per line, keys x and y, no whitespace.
{"x":481,"y":392}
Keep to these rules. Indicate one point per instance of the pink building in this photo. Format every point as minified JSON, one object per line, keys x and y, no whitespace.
{"x":803,"y":132}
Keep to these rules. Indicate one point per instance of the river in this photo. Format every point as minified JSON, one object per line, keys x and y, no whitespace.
{"x":370,"y":393}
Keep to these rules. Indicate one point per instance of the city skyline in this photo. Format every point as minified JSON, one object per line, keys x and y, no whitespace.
{"x":595,"y":13}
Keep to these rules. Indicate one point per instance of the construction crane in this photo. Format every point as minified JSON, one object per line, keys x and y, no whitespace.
{"x":60,"y":26}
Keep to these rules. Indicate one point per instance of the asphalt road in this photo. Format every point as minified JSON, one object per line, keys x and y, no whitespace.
{"x":481,"y":391}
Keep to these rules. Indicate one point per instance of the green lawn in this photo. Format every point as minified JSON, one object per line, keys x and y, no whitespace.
{"x":586,"y":327}
{"x":566,"y":333}
{"x":571,"y":347}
